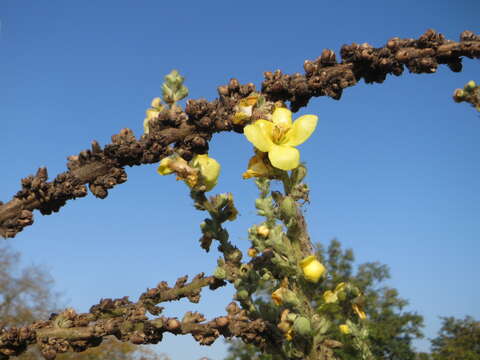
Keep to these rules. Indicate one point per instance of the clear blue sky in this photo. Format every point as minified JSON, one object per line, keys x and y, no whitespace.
{"x":394,"y":168}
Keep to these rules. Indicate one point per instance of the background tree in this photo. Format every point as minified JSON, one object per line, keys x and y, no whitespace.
{"x":458,"y":339}
{"x":26,"y":295}
{"x":391,"y":328}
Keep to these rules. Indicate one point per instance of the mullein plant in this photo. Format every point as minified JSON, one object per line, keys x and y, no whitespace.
{"x":308,"y":320}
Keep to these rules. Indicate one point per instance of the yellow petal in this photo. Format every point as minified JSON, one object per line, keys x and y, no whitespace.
{"x":259,"y":134}
{"x":152,"y":113}
{"x":329,"y":296}
{"x":284,"y":157}
{"x":312,"y":269}
{"x":361,"y":314}
{"x":282,"y":116}
{"x":156,"y":102}
{"x":256,"y":167}
{"x":344,"y":329}
{"x":302,"y":129}
{"x":164,"y":168}
{"x":146,"y":129}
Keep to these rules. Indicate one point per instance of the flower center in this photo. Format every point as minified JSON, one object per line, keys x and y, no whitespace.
{"x":279,"y":133}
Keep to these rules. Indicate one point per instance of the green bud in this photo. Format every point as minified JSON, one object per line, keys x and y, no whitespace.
{"x":458,"y":95}
{"x":267,"y":276}
{"x":173,"y":89}
{"x":288,"y":208}
{"x":220,"y":273}
{"x":320,"y":325}
{"x":174,"y":78}
{"x":298,"y":174}
{"x":302,"y":326}
{"x":242,"y":294}
{"x":292,"y":317}
{"x":289,"y":298}
{"x":235,"y":256}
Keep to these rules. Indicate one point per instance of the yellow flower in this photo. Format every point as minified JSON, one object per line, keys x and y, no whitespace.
{"x":156,"y":103}
{"x":209,"y":170}
{"x":277,"y":296}
{"x":289,"y":334}
{"x":361,"y":314}
{"x":178,"y":165}
{"x":344,"y":329}
{"x":263,"y":230}
{"x":257,"y":167}
{"x":312,"y":268}
{"x":340,"y":287}
{"x":279,"y":137}
{"x":201,"y":173}
{"x":330,"y":296}
{"x":252,"y":252}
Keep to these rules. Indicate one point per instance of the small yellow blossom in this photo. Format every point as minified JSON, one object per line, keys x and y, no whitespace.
{"x":201,"y":173}
{"x":330,"y":296}
{"x":344,"y":329}
{"x":279,"y":137}
{"x":289,"y":334}
{"x":361,"y":314}
{"x":252,"y":252}
{"x":156,"y":103}
{"x":340,"y":287}
{"x":178,"y":165}
{"x":257,"y":167}
{"x":312,"y":268}
{"x":263,"y":230}
{"x":277,"y":296}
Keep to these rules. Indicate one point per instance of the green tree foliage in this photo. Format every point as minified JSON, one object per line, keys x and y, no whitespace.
{"x":458,"y":339}
{"x":391,"y":328}
{"x":26,"y":295}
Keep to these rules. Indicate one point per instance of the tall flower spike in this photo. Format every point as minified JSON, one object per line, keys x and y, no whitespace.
{"x":279,"y":137}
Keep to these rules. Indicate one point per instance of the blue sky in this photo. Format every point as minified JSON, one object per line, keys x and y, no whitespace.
{"x":393,"y":167}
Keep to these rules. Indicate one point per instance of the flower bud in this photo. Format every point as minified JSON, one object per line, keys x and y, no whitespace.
{"x":470,"y":85}
{"x":302,"y":326}
{"x":267,"y":276}
{"x":458,"y":95}
{"x":312,"y":269}
{"x":252,"y":252}
{"x":361,"y":314}
{"x":344,"y":329}
{"x":156,"y":102}
{"x":209,"y":170}
{"x":242,"y":294}
{"x":288,"y":207}
{"x":330,"y":297}
{"x":284,"y":296}
{"x":263,"y":231}
{"x":164,"y":168}
{"x":220,"y":273}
